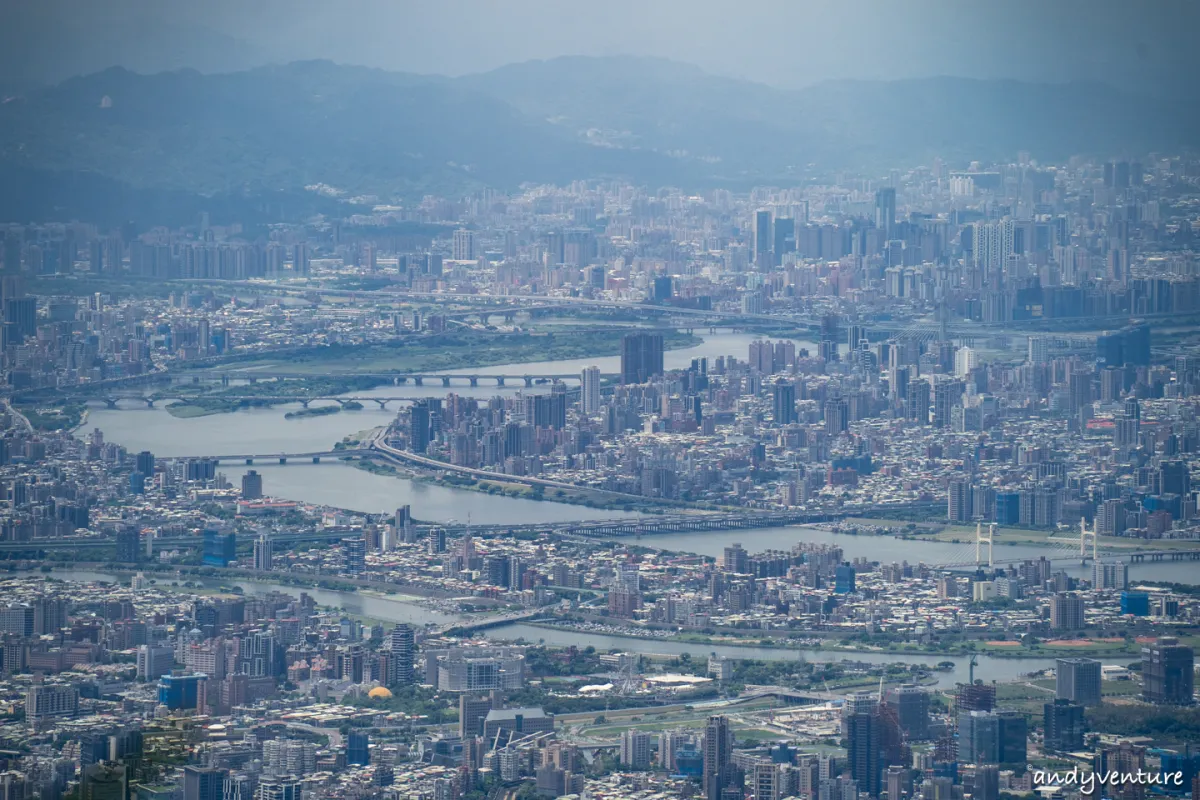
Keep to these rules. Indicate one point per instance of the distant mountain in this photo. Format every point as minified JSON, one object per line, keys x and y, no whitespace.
{"x":43,"y":43}
{"x":758,"y":130}
{"x":125,"y":141}
{"x":361,"y":131}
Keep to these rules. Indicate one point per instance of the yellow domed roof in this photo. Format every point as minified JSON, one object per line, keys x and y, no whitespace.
{"x":379,"y":692}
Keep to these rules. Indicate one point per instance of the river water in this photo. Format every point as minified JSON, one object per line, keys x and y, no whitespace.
{"x":384,"y":609}
{"x":888,"y":549}
{"x":392,"y":610}
{"x":266,"y":430}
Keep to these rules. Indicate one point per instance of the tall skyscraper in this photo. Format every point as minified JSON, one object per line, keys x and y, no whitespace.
{"x":403,"y":647}
{"x":104,"y":781}
{"x":589,"y":384}
{"x":860,"y":720}
{"x":1066,"y":612}
{"x":358,"y":745}
{"x":635,"y":749}
{"x":263,"y":553}
{"x":464,"y":245}
{"x":784,"y":239}
{"x":1064,"y":725}
{"x":1168,"y":672}
{"x":418,"y":427}
{"x":355,"y":552}
{"x":911,"y":704}
{"x":252,"y":485}
{"x":837,"y":416}
{"x":471,"y":713}
{"x":718,"y":756}
{"x":762,"y":239}
{"x":959,"y":495}
{"x":783,"y":395}
{"x":1078,"y":680}
{"x":129,"y":549}
{"x":204,"y":783}
{"x":885,"y":212}
{"x":641,"y":357}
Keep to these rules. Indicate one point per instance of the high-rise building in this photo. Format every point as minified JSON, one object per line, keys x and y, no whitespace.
{"x":463,"y":245}
{"x":220,"y":549}
{"x":472,"y":710}
{"x":104,"y":780}
{"x":355,"y":550}
{"x":641,"y":357}
{"x":784,"y":239}
{"x":783,"y":396}
{"x":589,"y":390}
{"x":989,"y":737}
{"x":1039,"y":350}
{"x":204,"y":783}
{"x":263,"y":553}
{"x":129,"y":549}
{"x":418,"y":427}
{"x":718,"y":757}
{"x":860,"y":721}
{"x":978,"y":696}
{"x":300,"y":261}
{"x":844,"y":579}
{"x":285,"y":787}
{"x":403,"y":647}
{"x":965,"y":361}
{"x":992,"y":244}
{"x":1108,"y":575}
{"x":406,"y":531}
{"x":1066,"y":612}
{"x":885,"y":212}
{"x":1063,"y":724}
{"x":762,"y":239}
{"x":911,"y":705}
{"x":959,"y":497}
{"x":837,"y":416}
{"x":153,"y":661}
{"x":916,"y":402}
{"x":358,"y":745}
{"x":1126,"y":766}
{"x":946,"y":395}
{"x":1078,"y":680}
{"x":635,"y":749}
{"x":252,"y":485}
{"x":45,"y":701}
{"x":1168,"y":670}
{"x":180,"y":691}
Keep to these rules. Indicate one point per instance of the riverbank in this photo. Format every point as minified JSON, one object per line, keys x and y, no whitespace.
{"x":318,"y":411}
{"x":1092,"y":648}
{"x":498,"y":488}
{"x":458,"y":350}
{"x":382,"y":589}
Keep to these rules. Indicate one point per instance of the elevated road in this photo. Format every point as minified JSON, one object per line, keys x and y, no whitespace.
{"x":282,"y":458}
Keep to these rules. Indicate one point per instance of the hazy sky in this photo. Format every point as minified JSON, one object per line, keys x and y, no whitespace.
{"x":782,"y":42}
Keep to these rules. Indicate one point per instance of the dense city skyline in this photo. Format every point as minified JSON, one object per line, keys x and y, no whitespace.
{"x":535,"y":415}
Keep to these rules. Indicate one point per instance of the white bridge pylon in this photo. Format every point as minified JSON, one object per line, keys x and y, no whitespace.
{"x":1084,"y":534}
{"x":980,"y":539}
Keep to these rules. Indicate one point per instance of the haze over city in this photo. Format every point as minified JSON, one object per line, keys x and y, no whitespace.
{"x":623,"y":401}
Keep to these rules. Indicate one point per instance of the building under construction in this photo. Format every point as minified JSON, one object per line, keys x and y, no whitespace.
{"x":976,"y":696}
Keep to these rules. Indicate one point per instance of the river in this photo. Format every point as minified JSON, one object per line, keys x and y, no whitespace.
{"x":384,"y":609}
{"x":392,"y":610}
{"x":887,"y":549}
{"x":266,"y":430}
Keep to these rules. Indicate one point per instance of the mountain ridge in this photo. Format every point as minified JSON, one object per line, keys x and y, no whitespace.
{"x":366,"y":131}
